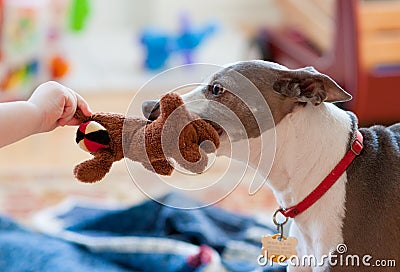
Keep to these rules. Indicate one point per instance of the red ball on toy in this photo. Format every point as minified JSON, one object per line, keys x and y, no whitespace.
{"x":91,"y":137}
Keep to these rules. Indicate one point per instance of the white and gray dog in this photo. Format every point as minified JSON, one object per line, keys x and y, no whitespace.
{"x":362,"y":208}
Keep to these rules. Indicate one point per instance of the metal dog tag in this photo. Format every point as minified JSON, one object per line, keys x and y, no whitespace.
{"x":278,"y":248}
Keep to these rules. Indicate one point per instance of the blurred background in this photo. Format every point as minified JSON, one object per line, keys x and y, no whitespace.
{"x":106,"y":50}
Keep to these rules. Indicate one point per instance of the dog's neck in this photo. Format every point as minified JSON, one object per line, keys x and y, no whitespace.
{"x":310,"y":142}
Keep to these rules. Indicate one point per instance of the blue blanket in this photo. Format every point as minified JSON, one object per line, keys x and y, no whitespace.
{"x":146,"y":237}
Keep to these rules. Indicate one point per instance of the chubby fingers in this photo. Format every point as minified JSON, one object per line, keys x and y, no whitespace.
{"x":73,"y":101}
{"x":69,"y":105}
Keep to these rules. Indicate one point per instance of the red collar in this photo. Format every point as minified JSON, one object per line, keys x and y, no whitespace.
{"x":328,"y":181}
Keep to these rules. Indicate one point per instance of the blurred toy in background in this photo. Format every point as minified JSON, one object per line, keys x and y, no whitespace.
{"x":190,"y":37}
{"x":159,"y":45}
{"x":22,"y":44}
{"x":20,"y":75}
{"x":78,"y":14}
{"x":58,"y":66}
{"x":31,"y":48}
{"x":57,"y":61}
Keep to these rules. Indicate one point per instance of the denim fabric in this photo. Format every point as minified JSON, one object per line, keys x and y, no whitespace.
{"x":146,"y":237}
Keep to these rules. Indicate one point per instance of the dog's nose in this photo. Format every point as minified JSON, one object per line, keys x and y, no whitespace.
{"x":151,"y":109}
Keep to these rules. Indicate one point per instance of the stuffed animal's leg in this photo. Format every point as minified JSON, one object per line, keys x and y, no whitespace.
{"x":94,"y":169}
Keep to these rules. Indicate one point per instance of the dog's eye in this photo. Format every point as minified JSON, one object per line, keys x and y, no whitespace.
{"x":216,"y":89}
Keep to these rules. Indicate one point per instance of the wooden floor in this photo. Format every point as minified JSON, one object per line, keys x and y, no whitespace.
{"x":37,"y":172}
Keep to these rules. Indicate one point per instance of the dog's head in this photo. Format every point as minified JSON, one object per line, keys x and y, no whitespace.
{"x":256,"y":94}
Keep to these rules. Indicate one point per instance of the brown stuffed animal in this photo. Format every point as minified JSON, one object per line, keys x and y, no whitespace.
{"x":152,"y":144}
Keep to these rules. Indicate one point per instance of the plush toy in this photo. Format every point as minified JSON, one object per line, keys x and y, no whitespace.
{"x":184,"y":138}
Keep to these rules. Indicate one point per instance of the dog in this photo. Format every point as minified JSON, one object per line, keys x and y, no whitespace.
{"x":362,"y":208}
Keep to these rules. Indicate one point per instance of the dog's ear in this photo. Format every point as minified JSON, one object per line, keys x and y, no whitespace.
{"x":308,"y":85}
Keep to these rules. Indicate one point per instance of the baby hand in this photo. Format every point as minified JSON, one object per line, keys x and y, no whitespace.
{"x":57,"y":105}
